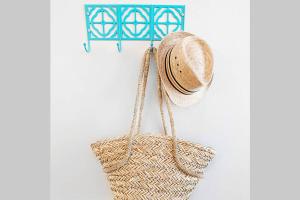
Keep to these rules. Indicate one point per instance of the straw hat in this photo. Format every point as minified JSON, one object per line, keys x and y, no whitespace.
{"x":185,"y":64}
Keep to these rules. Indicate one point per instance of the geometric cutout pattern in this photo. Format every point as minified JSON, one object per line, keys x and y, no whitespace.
{"x":132,"y":22}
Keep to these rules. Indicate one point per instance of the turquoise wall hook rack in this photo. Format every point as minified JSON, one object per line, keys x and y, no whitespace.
{"x":124,"y":22}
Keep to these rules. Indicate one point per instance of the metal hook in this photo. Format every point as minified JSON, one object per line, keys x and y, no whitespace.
{"x":151,"y":46}
{"x":119,"y":45}
{"x":87,"y":46}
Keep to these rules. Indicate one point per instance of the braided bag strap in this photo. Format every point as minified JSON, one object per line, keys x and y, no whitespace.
{"x":173,"y":130}
{"x":138,"y":108}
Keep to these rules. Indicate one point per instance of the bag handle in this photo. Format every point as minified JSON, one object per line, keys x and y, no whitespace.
{"x":145,"y":67}
{"x":173,"y":130}
{"x":139,"y":104}
{"x":142,"y":80}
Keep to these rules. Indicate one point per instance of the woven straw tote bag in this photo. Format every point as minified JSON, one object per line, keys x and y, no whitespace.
{"x":151,"y":167}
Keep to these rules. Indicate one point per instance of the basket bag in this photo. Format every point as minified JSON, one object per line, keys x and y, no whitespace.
{"x":151,"y":167}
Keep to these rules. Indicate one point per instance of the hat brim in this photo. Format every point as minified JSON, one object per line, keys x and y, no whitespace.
{"x":176,"y":97}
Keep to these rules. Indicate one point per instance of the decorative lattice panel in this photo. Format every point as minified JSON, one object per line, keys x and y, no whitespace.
{"x":132,"y":22}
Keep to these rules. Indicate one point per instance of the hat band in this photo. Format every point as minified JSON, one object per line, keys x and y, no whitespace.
{"x":172,"y":78}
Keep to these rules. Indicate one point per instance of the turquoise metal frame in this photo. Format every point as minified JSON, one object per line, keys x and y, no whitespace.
{"x":131,"y":22}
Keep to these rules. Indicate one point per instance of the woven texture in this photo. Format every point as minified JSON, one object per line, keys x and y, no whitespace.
{"x":170,"y":43}
{"x":151,"y":172}
{"x":151,"y":167}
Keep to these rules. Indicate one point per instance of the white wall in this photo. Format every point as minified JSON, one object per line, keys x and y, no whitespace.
{"x":92,"y":97}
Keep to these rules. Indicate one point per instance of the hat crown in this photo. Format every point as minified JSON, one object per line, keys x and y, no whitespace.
{"x":189,"y":64}
{"x":194,"y":58}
